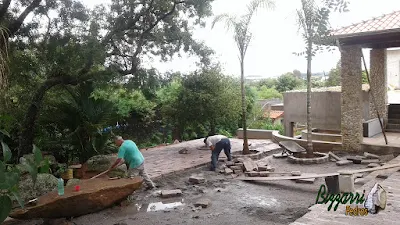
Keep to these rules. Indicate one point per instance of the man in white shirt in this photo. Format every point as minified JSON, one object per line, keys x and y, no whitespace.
{"x":216,"y":144}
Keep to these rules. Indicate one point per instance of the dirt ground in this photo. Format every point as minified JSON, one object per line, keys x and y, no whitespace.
{"x":232,"y":201}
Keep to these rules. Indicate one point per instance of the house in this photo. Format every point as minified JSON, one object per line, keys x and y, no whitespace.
{"x":275,"y":115}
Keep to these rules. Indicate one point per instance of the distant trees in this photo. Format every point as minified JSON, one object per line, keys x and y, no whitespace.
{"x":287,"y":82}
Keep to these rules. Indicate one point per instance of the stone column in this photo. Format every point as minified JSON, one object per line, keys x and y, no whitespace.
{"x":288,"y":128}
{"x":351,"y":100}
{"x":378,"y":75}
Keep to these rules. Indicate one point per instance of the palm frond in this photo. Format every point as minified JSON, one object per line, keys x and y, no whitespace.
{"x":229,"y":21}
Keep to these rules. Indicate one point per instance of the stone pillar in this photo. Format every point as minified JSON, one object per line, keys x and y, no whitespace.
{"x":351,"y":100}
{"x":378,"y":75}
{"x":289,"y":128}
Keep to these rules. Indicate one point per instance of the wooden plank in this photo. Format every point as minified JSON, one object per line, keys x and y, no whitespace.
{"x":349,"y":172}
{"x":287,"y":178}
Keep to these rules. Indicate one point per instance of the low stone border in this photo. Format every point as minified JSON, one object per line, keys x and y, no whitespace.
{"x":323,"y":159}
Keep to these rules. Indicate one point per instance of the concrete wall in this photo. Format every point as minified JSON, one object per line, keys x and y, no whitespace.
{"x":255,"y":134}
{"x":325,"y":109}
{"x":393,"y":68}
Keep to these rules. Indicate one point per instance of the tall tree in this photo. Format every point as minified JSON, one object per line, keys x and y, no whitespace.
{"x":313,"y":21}
{"x":242,"y":37}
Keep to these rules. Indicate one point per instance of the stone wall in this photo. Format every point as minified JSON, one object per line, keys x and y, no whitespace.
{"x":351,"y":99}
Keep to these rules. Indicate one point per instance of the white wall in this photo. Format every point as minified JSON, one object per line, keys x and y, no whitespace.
{"x":393,"y":68}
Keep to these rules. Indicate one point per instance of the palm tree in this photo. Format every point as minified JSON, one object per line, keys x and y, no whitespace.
{"x":242,"y":36}
{"x":313,"y":22}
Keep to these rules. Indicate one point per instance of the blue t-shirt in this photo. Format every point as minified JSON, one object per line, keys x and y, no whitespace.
{"x":131,"y":154}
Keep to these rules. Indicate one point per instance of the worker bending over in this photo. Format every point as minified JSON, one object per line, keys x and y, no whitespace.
{"x":216,"y":144}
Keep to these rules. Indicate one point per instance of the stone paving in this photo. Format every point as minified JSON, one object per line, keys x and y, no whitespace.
{"x":320,"y":215}
{"x":166,"y":159}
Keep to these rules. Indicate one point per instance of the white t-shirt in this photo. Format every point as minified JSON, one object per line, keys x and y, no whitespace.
{"x":212,"y":140}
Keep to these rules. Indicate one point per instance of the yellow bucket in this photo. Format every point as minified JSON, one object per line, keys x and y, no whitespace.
{"x":69,"y":174}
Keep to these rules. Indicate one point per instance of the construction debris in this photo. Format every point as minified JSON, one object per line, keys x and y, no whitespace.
{"x":171,"y":193}
{"x":333,"y":156}
{"x":355,"y":159}
{"x":249,"y":165}
{"x":270,"y":169}
{"x":296,"y":173}
{"x":279,"y":155}
{"x":371,"y":156}
{"x":203,"y":203}
{"x":230,"y":163}
{"x":228,"y":171}
{"x":194,"y":179}
{"x":368,"y":161}
{"x":343,"y":162}
{"x":262,"y":168}
{"x":236,"y":167}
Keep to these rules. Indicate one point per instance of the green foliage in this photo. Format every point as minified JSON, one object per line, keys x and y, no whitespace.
{"x":287,"y":82}
{"x":334,"y":78}
{"x":10,"y":176}
{"x":268,"y":93}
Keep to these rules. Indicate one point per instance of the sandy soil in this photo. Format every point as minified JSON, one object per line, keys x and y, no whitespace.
{"x":232,"y":201}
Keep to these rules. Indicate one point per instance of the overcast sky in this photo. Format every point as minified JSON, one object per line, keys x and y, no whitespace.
{"x":275,"y":38}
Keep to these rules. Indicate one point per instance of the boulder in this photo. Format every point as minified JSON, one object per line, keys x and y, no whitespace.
{"x":44,"y":183}
{"x":101,"y":163}
{"x":52,"y":159}
{"x":95,"y":195}
{"x":73,"y":182}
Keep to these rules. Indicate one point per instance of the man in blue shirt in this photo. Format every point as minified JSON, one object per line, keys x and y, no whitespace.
{"x":129,"y":154}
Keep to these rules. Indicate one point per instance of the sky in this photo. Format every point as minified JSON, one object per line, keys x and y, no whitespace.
{"x":275,"y":38}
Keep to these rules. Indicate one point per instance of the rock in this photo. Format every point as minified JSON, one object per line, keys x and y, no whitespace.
{"x":171,"y":193}
{"x":279,"y":155}
{"x":368,"y":161}
{"x":270,"y":169}
{"x":249,"y":165}
{"x":95,"y":195}
{"x":264,"y":174}
{"x":196,"y":216}
{"x":371,"y":156}
{"x":184,"y":151}
{"x":355,"y":159}
{"x":262,"y":168}
{"x":238,"y":160}
{"x":52,"y":159}
{"x":101,"y":163}
{"x":228,"y":171}
{"x":382,"y":176}
{"x":236,"y":167}
{"x":295,"y":173}
{"x":372,"y":165}
{"x":196,"y":179}
{"x":253,"y":174}
{"x":239,"y":164}
{"x":238,"y":171}
{"x":230,"y":163}
{"x":176,"y":142}
{"x":44,"y":183}
{"x":203,"y":203}
{"x":343,"y":162}
{"x":333,"y":156}
{"x":72,"y":182}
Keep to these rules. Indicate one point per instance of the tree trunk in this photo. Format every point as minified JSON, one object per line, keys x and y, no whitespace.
{"x":27,"y":129}
{"x":213,"y":130}
{"x":246,"y":149}
{"x":309,"y":125}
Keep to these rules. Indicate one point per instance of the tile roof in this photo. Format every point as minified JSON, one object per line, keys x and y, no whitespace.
{"x":386,"y":22}
{"x":274,"y":114}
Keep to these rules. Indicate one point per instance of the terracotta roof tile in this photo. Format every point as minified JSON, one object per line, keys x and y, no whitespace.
{"x":386,"y":22}
{"x":274,"y":114}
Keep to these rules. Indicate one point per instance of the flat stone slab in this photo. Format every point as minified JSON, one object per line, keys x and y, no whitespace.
{"x":343,"y":162}
{"x":333,"y":156}
{"x":295,"y":173}
{"x":371,"y":156}
{"x":228,"y":171}
{"x":355,"y":159}
{"x":171,"y":193}
{"x":230,"y":163}
{"x":236,"y":167}
{"x":253,"y":174}
{"x":238,"y":171}
{"x":249,"y":165}
{"x":239,"y":164}
{"x":368,"y":161}
{"x":270,"y":169}
{"x":262,"y":168}
{"x":279,"y":155}
{"x":94,"y":195}
{"x":194,"y":179}
{"x":264,"y":174}
{"x":203,"y":203}
{"x":306,"y":180}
